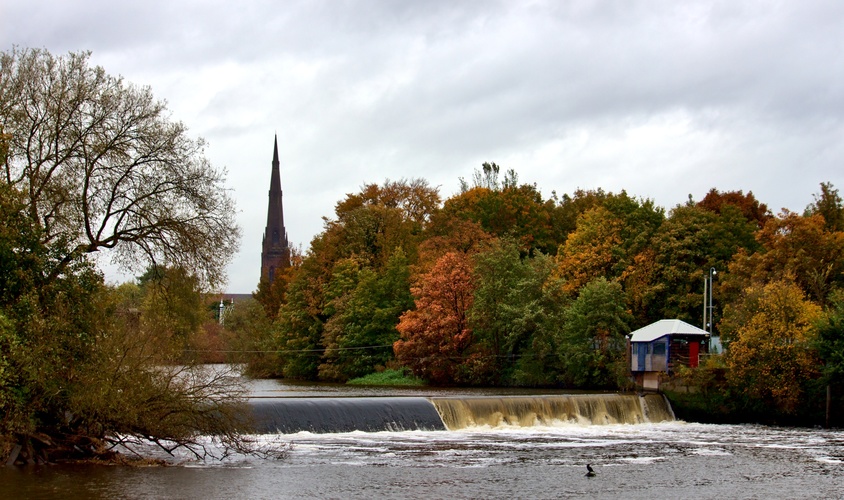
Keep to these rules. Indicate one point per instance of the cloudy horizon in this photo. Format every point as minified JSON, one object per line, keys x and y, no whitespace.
{"x":661,"y":99}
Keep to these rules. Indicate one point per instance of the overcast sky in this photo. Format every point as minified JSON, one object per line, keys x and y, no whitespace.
{"x":661,"y":98}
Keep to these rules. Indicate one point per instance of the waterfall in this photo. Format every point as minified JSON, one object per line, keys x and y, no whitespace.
{"x":656,"y":408}
{"x":527,"y":411}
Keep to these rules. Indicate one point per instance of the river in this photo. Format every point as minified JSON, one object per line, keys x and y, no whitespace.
{"x":645,"y":460}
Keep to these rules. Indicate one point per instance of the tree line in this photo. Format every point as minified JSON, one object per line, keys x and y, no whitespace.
{"x":499,"y":286}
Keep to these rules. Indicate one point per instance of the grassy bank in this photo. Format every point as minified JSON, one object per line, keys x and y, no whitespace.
{"x":388,"y":377}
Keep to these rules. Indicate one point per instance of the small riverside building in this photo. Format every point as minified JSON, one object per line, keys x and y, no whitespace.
{"x":661,"y":347}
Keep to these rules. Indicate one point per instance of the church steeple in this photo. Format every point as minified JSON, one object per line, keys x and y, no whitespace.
{"x":275,"y":254}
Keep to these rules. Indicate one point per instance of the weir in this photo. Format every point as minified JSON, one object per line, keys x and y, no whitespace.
{"x":373,"y":414}
{"x":528,"y":411}
{"x":324,"y":415}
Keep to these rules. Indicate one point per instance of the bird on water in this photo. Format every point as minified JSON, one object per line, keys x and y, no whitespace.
{"x":591,"y":472}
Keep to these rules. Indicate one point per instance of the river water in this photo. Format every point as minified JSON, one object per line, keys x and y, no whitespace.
{"x":646,"y":460}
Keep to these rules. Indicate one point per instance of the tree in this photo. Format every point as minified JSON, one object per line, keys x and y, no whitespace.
{"x":414,"y":198}
{"x":538,"y":361}
{"x":297,"y":331}
{"x":570,"y":207}
{"x":592,"y":341}
{"x":249,"y":334}
{"x":771,"y":358}
{"x":359,"y":335}
{"x":507,"y":209}
{"x":487,"y":178}
{"x":102,"y":167}
{"x":83,"y":368}
{"x":435,"y":335}
{"x":829,"y":205}
{"x":451,"y":234}
{"x":271,"y":295}
{"x":830,"y":341}
{"x":172,"y":303}
{"x":607,"y":239}
{"x":747,"y":204}
{"x":684,"y":248}
{"x":92,"y":163}
{"x":588,"y":252}
{"x":508,"y":310}
{"x":793,"y":247}
{"x":371,"y":224}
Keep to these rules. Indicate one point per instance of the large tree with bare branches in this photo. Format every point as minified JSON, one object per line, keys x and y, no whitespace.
{"x":89,"y":163}
{"x":103,"y":166}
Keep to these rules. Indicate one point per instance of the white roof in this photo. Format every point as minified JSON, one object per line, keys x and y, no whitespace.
{"x":665,"y":327}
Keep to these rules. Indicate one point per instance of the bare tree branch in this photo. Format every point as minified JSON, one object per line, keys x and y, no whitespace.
{"x":104,"y":167}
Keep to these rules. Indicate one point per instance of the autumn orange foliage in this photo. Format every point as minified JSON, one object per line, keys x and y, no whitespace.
{"x":435,"y":335}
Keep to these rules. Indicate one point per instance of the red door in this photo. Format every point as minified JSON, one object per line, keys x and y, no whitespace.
{"x":694,"y":348}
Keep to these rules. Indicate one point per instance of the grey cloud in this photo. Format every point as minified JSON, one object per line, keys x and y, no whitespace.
{"x":661,"y":98}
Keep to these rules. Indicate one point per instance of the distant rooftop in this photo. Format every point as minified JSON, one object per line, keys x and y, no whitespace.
{"x":665,"y":327}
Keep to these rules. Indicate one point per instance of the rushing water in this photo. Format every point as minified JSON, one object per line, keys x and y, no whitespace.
{"x":648,"y":460}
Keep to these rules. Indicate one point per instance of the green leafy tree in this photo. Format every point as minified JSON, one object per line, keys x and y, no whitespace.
{"x":172,"y":303}
{"x":507,"y":311}
{"x":830,"y":340}
{"x":49,"y":328}
{"x":297,"y":331}
{"x":570,"y":207}
{"x":690,"y":242}
{"x":538,"y":362}
{"x":249,"y":333}
{"x":830,"y":348}
{"x":829,"y":205}
{"x":360,"y":334}
{"x":593,"y":337}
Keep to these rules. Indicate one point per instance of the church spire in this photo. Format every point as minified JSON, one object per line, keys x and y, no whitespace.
{"x":275,"y":254}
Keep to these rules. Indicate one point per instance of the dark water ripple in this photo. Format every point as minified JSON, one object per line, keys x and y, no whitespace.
{"x":646,"y":461}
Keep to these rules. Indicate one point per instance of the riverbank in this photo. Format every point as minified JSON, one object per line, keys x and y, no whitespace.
{"x":715,"y":404}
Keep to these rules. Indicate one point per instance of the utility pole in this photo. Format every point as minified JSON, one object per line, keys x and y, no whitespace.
{"x":705,"y":325}
{"x":708,"y":308}
{"x":712,"y":273}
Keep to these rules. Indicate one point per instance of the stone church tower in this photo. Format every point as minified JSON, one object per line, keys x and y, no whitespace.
{"x":275,"y":253}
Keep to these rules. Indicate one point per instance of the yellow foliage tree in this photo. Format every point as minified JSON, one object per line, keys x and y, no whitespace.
{"x":772,"y":357}
{"x":590,"y":251}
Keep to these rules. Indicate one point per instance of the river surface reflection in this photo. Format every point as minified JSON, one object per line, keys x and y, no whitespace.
{"x":665,"y":460}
